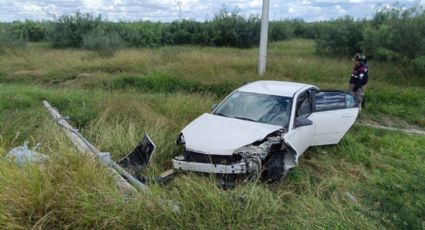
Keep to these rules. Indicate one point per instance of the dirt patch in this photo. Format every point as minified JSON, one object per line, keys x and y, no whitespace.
{"x":405,"y":130}
{"x":390,"y":122}
{"x":86,"y":79}
{"x":32,"y":73}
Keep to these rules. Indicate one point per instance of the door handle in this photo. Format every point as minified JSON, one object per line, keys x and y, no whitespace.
{"x":347,"y":115}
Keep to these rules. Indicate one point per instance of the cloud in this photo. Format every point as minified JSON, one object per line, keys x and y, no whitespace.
{"x":169,"y":10}
{"x":94,"y":5}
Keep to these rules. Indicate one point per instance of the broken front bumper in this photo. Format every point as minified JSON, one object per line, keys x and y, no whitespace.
{"x":237,"y":168}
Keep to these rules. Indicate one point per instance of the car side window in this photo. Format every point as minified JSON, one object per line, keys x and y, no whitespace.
{"x":351,"y":101}
{"x":304,"y":104}
{"x":328,"y":100}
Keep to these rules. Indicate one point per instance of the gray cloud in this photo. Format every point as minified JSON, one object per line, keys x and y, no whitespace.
{"x":168,"y":10}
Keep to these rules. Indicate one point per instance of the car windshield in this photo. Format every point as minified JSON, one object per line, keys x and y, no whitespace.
{"x":256,"y":107}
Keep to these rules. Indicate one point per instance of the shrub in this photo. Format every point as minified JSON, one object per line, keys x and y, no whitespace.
{"x":102,"y":41}
{"x":407,"y":32}
{"x":29,"y":30}
{"x":395,"y":34}
{"x":307,"y":30}
{"x":280,"y":30}
{"x":231,"y":29}
{"x":418,"y":65}
{"x":228,"y":28}
{"x":140,"y":34}
{"x":184,"y":32}
{"x":374,"y":38}
{"x":69,"y":31}
{"x":340,"y":37}
{"x":383,"y":54}
{"x":9,"y":40}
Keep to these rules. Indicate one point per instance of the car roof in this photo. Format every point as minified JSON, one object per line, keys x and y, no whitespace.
{"x":279,"y":88}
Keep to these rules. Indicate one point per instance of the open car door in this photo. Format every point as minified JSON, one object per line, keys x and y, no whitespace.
{"x":300,"y":134}
{"x":334,"y":112}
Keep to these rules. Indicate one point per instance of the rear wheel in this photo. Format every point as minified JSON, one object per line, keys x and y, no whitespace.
{"x":275,"y":168}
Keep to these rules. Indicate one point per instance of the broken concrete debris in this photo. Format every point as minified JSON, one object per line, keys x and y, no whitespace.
{"x":23,"y":155}
{"x":351,"y":197}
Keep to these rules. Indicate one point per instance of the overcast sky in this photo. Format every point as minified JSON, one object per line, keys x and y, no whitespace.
{"x":169,"y":10}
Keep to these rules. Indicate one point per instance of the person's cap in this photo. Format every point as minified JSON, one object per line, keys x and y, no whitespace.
{"x":359,"y":57}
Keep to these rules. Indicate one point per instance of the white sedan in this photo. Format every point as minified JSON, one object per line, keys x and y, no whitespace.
{"x":262,"y":128}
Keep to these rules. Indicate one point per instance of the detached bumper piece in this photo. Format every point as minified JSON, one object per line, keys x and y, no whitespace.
{"x":139,"y":158}
{"x":237,"y":168}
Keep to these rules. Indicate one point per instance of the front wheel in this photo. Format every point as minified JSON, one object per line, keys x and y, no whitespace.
{"x":275,"y":168}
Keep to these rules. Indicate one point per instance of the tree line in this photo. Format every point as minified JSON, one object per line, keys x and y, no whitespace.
{"x":393,"y":35}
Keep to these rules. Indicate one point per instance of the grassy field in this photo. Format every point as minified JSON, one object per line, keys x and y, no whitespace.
{"x":115,"y":100}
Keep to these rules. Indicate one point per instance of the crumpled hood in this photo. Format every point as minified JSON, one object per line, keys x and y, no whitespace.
{"x":218,"y":135}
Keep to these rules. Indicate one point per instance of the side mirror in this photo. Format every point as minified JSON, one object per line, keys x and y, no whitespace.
{"x":214,"y":106}
{"x":302,"y":121}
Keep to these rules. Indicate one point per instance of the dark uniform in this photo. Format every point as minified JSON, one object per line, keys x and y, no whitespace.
{"x":358,"y":80}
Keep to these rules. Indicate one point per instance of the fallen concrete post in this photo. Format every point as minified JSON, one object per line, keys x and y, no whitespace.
{"x":121,"y":177}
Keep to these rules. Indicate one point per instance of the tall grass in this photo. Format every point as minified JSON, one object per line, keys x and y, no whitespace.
{"x":73,"y":191}
{"x":115,"y":100}
{"x":216,"y":71}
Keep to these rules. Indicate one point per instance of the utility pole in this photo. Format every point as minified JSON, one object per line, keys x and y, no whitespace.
{"x":263,"y":38}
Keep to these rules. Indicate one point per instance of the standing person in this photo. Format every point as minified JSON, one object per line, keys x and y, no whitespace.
{"x":359,"y":77}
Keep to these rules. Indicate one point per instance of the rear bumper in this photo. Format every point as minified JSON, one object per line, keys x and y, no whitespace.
{"x":237,"y":168}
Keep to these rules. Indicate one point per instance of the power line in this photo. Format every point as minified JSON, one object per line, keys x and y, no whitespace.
{"x":179,"y":4}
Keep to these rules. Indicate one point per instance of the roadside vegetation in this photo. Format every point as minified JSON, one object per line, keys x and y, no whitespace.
{"x":115,"y":100}
{"x":394,"y":34}
{"x":115,"y":90}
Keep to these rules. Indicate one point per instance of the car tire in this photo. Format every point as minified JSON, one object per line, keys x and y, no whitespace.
{"x":275,"y":168}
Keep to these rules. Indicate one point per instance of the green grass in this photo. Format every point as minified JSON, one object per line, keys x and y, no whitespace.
{"x":114,"y":101}
{"x":392,"y":93}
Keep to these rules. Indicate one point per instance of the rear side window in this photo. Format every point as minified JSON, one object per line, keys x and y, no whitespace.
{"x":325,"y":101}
{"x":351,"y":101}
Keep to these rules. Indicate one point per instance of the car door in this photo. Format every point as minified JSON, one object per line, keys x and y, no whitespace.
{"x":334,"y":112}
{"x":299,"y":136}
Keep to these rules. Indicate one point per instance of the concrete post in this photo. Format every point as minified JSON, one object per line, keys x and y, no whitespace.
{"x":263,"y":38}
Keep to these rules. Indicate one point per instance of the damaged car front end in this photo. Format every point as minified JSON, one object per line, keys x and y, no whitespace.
{"x":242,"y":137}
{"x":270,"y":158}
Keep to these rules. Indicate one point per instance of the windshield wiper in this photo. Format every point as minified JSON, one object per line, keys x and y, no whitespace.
{"x":245,"y":118}
{"x":220,"y":114}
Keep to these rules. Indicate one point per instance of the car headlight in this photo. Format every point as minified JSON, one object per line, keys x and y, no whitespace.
{"x":180,"y":140}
